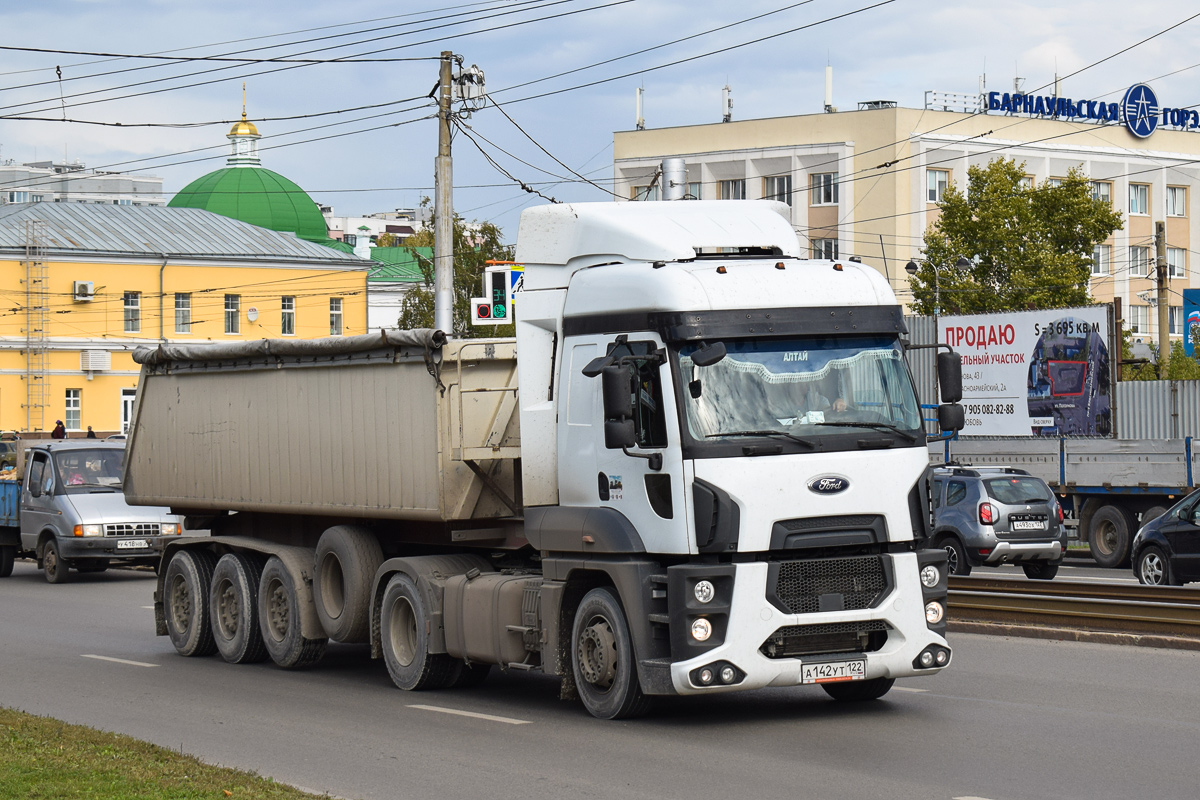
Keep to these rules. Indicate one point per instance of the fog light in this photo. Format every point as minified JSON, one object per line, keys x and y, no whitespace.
{"x":706,"y":676}
{"x":934,"y":612}
{"x":926,"y":659}
{"x":702,"y":629}
{"x":728,"y":674}
{"x":930,"y":576}
{"x":704,"y":591}
{"x":942,"y":657}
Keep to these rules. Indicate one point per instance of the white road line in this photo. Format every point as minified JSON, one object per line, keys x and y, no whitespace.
{"x":907,"y":689}
{"x":970,"y":797}
{"x":489,"y":717}
{"x":149,"y":607}
{"x":119,"y":660}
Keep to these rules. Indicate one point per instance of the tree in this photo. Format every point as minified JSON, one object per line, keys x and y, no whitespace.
{"x":1030,"y":247}
{"x":474,"y":245}
{"x":387,"y":240}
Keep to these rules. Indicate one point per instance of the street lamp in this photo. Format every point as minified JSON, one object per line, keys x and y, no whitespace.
{"x":911,"y":268}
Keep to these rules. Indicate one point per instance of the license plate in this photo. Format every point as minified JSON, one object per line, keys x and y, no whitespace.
{"x":1028,"y":525}
{"x":833,"y":671}
{"x":132,"y":544}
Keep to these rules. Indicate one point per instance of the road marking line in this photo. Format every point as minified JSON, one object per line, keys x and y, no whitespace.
{"x":489,"y":717}
{"x":119,"y":660}
{"x":908,"y":689}
{"x":970,"y":797}
{"x":149,"y":607}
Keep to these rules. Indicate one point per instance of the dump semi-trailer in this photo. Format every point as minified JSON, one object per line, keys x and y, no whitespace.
{"x":699,"y":467}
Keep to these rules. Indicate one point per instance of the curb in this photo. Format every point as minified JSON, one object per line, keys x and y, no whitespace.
{"x":1074,"y":635}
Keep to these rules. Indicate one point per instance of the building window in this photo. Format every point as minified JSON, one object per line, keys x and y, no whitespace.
{"x":71,"y":415}
{"x":1101,"y":259}
{"x":825,"y":248}
{"x":233,"y":317}
{"x":645,"y":192}
{"x":778,"y":188}
{"x":1139,"y":318}
{"x":937,"y":180}
{"x":1176,"y":201}
{"x":1176,"y":262}
{"x":1139,"y":198}
{"x":18,"y":197}
{"x":1175,"y":320}
{"x":693,"y":190}
{"x":288,"y":323}
{"x":335,"y":316}
{"x":1055,"y":182}
{"x":133,"y":312}
{"x":350,"y":239}
{"x":1026,"y":182}
{"x":1139,"y":261}
{"x":731,"y":190}
{"x":824,"y":187}
{"x":1102,"y":190}
{"x":183,"y":312}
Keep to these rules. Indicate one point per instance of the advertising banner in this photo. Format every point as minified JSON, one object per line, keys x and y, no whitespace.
{"x":1034,"y":373}
{"x":1191,"y":320}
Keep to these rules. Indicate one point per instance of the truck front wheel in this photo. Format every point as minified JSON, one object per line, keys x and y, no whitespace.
{"x":403,"y":621}
{"x":1109,"y":535}
{"x":279,"y":619}
{"x":8,"y":554}
{"x":233,"y":609}
{"x":602,"y":659}
{"x":53,"y":565}
{"x":185,"y":588}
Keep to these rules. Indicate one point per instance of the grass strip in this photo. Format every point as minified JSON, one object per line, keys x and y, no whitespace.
{"x":42,"y":757}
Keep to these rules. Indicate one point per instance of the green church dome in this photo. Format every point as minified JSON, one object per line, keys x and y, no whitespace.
{"x":257,"y":196}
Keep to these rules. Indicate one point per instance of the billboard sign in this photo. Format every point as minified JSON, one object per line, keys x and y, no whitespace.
{"x":1034,"y":373}
{"x":1191,"y":321}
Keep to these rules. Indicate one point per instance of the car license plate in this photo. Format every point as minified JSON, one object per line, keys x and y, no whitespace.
{"x":132,"y":544}
{"x":833,"y":671}
{"x":1028,"y":525}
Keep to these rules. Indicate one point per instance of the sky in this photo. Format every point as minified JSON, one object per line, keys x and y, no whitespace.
{"x":382,"y":158}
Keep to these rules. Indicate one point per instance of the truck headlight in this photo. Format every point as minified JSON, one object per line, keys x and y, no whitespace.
{"x":704,"y":591}
{"x":169,"y":529}
{"x":934,"y":612}
{"x":930,"y":576}
{"x":89,"y":530}
{"x":701,"y":630}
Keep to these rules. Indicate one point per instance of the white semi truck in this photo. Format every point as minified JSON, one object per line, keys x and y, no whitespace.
{"x":699,"y":467}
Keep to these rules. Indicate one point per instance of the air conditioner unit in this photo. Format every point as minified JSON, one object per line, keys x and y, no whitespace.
{"x":84,"y":291}
{"x":94,"y":360}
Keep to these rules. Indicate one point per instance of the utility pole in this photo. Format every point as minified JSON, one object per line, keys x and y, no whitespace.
{"x":1160,"y":259}
{"x":443,"y":208}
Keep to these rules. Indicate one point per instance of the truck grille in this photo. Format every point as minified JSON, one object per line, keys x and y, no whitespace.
{"x":865,"y":636}
{"x":829,"y":584}
{"x":132,"y":529}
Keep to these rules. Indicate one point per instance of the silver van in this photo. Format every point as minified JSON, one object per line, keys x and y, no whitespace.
{"x":73,"y":511}
{"x":987,"y":516}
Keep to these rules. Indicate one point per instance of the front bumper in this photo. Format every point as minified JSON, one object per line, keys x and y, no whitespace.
{"x":752,"y":619}
{"x":81,"y":547}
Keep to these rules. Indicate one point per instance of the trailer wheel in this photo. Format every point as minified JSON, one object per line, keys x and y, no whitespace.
{"x":233,"y":609}
{"x":1109,"y":535}
{"x":403,"y":626}
{"x":346,"y":561}
{"x":8,"y":554}
{"x":185,"y":587}
{"x":1152,"y":513}
{"x":858,"y":691}
{"x":279,"y":618}
{"x":53,"y":565}
{"x":602,"y":658}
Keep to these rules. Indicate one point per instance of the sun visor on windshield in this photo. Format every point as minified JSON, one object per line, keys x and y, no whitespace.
{"x":695,"y":325}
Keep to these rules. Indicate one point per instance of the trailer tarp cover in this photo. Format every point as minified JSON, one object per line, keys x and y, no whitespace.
{"x":331,"y":345}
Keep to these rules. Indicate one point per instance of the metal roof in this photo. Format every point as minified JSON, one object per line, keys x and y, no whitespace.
{"x":90,"y":228}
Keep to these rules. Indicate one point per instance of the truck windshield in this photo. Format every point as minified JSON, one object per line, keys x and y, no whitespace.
{"x":88,"y":469}
{"x":800,"y":388}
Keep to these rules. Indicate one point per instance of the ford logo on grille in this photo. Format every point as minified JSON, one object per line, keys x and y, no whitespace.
{"x":828,"y":484}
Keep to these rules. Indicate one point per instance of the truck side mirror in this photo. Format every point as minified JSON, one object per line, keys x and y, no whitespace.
{"x":618,"y":392}
{"x":619,"y":434}
{"x":949,"y":367}
{"x":709,"y":354}
{"x":951,"y":417}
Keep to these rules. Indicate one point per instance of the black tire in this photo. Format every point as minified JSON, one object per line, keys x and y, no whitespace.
{"x":468,"y":675}
{"x":233,"y":609}
{"x":1153,"y":568}
{"x":403,"y":622}
{"x":185,"y":600}
{"x":1109,"y":535}
{"x":279,"y":601}
{"x":54,"y":566}
{"x":858,"y":691}
{"x":347,"y":559}
{"x":1040,"y":570}
{"x":8,"y":554}
{"x":956,"y":556}
{"x":1152,"y":513}
{"x":602,"y":658}
{"x":92,"y":565}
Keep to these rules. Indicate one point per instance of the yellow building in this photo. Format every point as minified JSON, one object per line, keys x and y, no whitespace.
{"x":84,"y":284}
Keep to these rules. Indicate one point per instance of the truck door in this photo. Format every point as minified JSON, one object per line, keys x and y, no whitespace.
{"x":37,"y":499}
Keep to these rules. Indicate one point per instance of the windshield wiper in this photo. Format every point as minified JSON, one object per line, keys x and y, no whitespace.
{"x":791,"y":436}
{"x":879,"y":426}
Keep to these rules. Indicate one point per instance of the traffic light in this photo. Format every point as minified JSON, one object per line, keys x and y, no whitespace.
{"x":495,"y":307}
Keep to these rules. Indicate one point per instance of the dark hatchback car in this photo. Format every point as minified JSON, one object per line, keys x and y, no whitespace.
{"x":1166,"y":551}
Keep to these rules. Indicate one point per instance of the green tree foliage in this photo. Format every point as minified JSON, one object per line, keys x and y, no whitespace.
{"x":1031,"y":248}
{"x":1177,"y":366}
{"x":474,"y":246}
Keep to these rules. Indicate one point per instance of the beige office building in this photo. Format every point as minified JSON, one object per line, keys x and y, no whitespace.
{"x":867,"y":182}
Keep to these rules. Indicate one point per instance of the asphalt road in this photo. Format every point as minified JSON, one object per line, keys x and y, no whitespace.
{"x":1011,"y":719}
